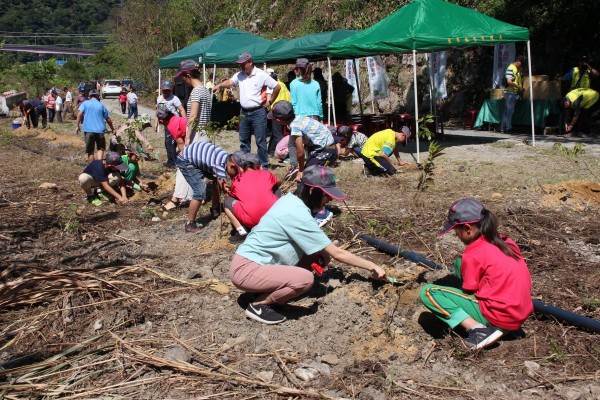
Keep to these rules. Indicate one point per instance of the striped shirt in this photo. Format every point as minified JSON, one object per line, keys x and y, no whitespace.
{"x":314,"y":134}
{"x":203,"y":96}
{"x":358,"y":140}
{"x":208,"y":157}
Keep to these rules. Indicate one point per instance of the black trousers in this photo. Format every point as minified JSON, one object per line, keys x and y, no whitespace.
{"x":171,"y":147}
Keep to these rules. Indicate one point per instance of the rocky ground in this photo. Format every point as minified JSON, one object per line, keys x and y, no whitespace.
{"x":118,"y":302}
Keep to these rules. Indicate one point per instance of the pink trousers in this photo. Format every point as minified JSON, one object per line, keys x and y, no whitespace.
{"x":281,"y":282}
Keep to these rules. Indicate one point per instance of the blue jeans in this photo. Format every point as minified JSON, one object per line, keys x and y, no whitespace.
{"x":255,"y":121}
{"x":510,"y":99}
{"x":133,"y":111}
{"x":194,"y":176}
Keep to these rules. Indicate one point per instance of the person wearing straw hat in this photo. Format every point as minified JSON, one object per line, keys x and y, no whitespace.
{"x":274,"y":258}
{"x":255,"y":103}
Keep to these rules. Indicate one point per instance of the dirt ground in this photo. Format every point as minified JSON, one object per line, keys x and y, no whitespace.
{"x":117,"y":302}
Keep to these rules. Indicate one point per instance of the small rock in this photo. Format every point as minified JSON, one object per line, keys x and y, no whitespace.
{"x":461,"y":168}
{"x":370,"y":393}
{"x":531,"y":368}
{"x":265,"y":376}
{"x":334,"y":283}
{"x":48,"y":185}
{"x":330,"y":359}
{"x":377,"y":332}
{"x":496,"y":196}
{"x":306,"y":374}
{"x":322,"y":368}
{"x":571,"y":394}
{"x":232,"y":342}
{"x":98,"y":325}
{"x":220,"y":288}
{"x":178,"y":353}
{"x":155,"y":219}
{"x":194,"y":274}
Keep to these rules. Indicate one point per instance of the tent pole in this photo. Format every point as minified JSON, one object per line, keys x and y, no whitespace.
{"x":531,"y":94}
{"x":416,"y":133}
{"x":159,"y":78}
{"x":358,"y":88}
{"x":331,"y":108}
{"x":214,"y":74}
{"x":204,"y":73}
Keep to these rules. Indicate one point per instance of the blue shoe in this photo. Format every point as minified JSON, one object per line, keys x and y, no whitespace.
{"x":323,"y":216}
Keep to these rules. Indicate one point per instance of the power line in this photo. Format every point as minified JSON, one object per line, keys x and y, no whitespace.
{"x":49,"y":34}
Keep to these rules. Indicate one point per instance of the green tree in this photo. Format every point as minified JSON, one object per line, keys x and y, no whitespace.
{"x":38,"y":76}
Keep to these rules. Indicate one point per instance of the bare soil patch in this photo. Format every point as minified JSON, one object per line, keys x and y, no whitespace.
{"x":104,"y":303}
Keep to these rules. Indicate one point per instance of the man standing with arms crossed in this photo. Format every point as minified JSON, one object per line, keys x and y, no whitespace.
{"x":93,"y":125}
{"x":255,"y":102}
{"x":514,"y":89}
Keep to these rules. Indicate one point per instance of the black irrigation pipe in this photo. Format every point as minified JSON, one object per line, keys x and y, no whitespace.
{"x":539,"y":306}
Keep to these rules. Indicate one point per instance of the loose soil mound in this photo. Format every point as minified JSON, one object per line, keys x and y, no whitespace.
{"x":577,"y":194}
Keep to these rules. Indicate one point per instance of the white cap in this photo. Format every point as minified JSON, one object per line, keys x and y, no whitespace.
{"x":270,"y":71}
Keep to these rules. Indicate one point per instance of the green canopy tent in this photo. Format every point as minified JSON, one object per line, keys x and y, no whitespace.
{"x":431,"y":25}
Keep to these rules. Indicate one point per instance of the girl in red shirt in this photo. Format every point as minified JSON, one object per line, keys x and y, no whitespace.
{"x":496,"y":286}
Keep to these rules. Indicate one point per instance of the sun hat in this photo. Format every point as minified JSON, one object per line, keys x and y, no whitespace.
{"x":186,"y":66}
{"x":166,"y":85}
{"x":243,"y":58}
{"x":282,"y":109}
{"x":323,"y":178}
{"x":463,"y":211}
{"x":114,"y":160}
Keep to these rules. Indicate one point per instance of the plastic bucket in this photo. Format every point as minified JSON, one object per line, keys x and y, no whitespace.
{"x":16,"y":126}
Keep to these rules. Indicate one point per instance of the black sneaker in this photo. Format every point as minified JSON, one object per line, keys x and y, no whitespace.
{"x":191,"y":227}
{"x":263,"y":313}
{"x":237,"y":238}
{"x":483,"y":337}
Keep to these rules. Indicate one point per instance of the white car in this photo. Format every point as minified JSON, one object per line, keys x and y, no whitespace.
{"x":112,"y":87}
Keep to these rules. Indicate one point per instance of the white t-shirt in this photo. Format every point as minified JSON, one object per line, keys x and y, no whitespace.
{"x":132,"y":98}
{"x":251,"y":86}
{"x":69,"y":96}
{"x":58,"y":103}
{"x":171,"y":103}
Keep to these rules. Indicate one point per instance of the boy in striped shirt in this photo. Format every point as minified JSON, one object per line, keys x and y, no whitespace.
{"x":202,"y":160}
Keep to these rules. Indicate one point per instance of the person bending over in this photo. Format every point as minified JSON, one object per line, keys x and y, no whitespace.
{"x":379,"y":147}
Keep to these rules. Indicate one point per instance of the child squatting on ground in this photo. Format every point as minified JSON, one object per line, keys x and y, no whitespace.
{"x":274,"y":259}
{"x":104,"y":174}
{"x":496,"y":286}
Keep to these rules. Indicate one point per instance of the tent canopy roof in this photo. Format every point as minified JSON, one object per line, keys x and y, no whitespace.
{"x":313,"y":46}
{"x":221,"y":48}
{"x":428,"y":25}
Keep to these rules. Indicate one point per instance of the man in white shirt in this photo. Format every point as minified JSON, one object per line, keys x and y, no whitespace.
{"x":255,"y":103}
{"x":68,"y":104}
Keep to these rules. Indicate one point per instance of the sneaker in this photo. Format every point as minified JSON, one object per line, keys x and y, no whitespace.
{"x":263,"y":313}
{"x":366,"y":171}
{"x":291,"y":173}
{"x":323,"y":216}
{"x":191,"y":227}
{"x":483,"y":337}
{"x":103,"y":197}
{"x":95,"y":201}
{"x":237,"y":238}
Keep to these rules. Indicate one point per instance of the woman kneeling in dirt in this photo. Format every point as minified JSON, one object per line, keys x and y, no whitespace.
{"x":496,"y":285}
{"x":274,"y":258}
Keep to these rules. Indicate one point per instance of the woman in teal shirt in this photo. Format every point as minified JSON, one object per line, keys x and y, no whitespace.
{"x":273,"y":260}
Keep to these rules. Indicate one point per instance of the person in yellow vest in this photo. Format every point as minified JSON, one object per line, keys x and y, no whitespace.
{"x":581,"y":103}
{"x":580,"y":76}
{"x":512,"y":91}
{"x":276,"y":130}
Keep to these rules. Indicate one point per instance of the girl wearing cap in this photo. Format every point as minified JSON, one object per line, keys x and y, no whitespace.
{"x":272,"y":261}
{"x":495,"y":297}
{"x":306,"y":92}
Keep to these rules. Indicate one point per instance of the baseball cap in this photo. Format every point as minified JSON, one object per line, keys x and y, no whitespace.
{"x":344,"y":130}
{"x":240,"y":158}
{"x":93,"y":92}
{"x":270,"y":71}
{"x":166,"y":85}
{"x":301,"y":63}
{"x":162,"y":113}
{"x":407,"y":134}
{"x":463,"y":211}
{"x":186,"y":66}
{"x":243,"y":58}
{"x":282,"y":109}
{"x":323,"y":178}
{"x":114,"y":159}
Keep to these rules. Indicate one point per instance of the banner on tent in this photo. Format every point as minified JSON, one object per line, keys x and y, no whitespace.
{"x":377,"y":78}
{"x":437,"y":74}
{"x":352,"y":78}
{"x":504,"y":54}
